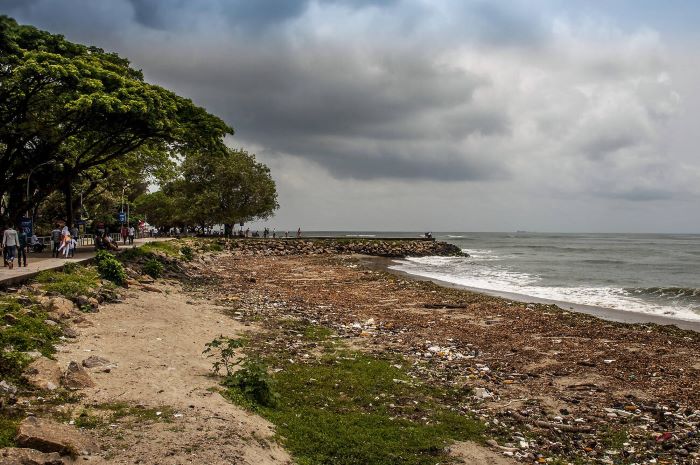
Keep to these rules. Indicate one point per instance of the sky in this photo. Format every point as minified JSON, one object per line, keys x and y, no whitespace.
{"x":417,"y":115}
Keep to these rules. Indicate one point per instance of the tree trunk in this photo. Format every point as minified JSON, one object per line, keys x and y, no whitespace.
{"x":68,"y":193}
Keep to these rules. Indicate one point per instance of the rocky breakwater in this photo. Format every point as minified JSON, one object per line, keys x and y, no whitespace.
{"x":375,"y":247}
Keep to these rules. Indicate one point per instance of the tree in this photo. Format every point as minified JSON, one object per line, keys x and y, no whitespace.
{"x":225,"y":187}
{"x":66,"y":108}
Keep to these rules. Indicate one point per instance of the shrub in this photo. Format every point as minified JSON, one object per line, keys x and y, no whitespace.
{"x":223,"y":349}
{"x":73,"y":281}
{"x":110,"y":268}
{"x":254,"y":383}
{"x":186,"y":252}
{"x":153,"y":268}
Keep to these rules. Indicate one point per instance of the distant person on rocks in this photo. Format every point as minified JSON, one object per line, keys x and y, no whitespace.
{"x":132,"y":234}
{"x":55,"y":241}
{"x":247,"y":232}
{"x":286,"y":234}
{"x":10,"y":241}
{"x":299,"y":232}
{"x":109,"y":243}
{"x":274,"y":233}
{"x":22,"y":248}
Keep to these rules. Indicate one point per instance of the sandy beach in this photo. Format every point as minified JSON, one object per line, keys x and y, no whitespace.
{"x":539,"y":384}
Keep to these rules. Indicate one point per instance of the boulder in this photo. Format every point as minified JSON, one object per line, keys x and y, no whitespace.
{"x":50,"y":436}
{"x":70,"y":332}
{"x":7,"y":388}
{"x":60,"y":307}
{"x":76,"y":377}
{"x":94,"y":361}
{"x":21,"y":456}
{"x":43,"y":373}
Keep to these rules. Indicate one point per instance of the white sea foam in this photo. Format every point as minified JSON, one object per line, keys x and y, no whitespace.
{"x":476,"y":272}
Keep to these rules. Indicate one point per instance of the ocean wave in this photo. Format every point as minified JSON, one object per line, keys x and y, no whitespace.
{"x":667,"y":292}
{"x":602,"y":261}
{"x":681,"y":303}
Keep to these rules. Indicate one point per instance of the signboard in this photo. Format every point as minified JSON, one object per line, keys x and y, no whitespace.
{"x":25,"y":225}
{"x":122,"y":217}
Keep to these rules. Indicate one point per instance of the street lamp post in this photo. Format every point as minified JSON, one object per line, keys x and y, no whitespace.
{"x":29,"y":176}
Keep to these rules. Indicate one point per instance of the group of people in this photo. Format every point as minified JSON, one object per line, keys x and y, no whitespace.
{"x":266,"y":233}
{"x":128,"y":233}
{"x":14,"y":247}
{"x":64,"y":241}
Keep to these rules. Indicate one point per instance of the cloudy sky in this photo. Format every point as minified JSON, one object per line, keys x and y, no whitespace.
{"x":417,"y":115}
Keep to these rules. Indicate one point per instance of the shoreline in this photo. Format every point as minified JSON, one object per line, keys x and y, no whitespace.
{"x":604,"y":313}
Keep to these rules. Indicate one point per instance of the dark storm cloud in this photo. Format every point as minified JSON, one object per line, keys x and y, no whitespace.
{"x":384,"y":114}
{"x":402,"y":89}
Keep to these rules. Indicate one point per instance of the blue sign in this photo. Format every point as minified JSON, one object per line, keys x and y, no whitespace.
{"x":122,"y":217}
{"x":25,"y":225}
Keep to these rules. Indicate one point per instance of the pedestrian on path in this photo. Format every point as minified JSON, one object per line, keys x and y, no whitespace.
{"x":132,"y":234}
{"x":22,"y":248}
{"x":55,"y":241}
{"x":124,"y":233}
{"x":10,"y":241}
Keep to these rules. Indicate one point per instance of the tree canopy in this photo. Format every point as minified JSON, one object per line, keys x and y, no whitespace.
{"x":79,"y":121}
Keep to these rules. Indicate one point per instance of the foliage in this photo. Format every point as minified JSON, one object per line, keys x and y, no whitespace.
{"x":254,"y":384}
{"x":8,"y":430}
{"x":223,"y":350}
{"x":187,"y":252}
{"x":110,"y":268}
{"x":73,"y":281}
{"x":351,"y":408}
{"x":78,"y":110}
{"x":25,"y":331}
{"x":153,"y":268}
{"x":169,"y":248}
{"x":222,"y":187}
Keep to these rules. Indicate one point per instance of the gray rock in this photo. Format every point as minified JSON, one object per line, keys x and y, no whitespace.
{"x":70,"y":332}
{"x":43,"y":373}
{"x":7,"y":388}
{"x":76,"y":377}
{"x":94,"y":361}
{"x":50,"y":436}
{"x":21,"y":456}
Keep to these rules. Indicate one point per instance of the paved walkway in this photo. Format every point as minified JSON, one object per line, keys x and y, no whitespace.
{"x":37,"y":262}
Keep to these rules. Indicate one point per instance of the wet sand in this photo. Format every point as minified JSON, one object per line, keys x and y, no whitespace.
{"x":609,"y":314}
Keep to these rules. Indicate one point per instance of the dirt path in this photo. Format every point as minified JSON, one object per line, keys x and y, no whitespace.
{"x":156,"y":341}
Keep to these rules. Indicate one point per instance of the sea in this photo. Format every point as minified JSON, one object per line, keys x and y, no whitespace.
{"x":655,"y":274}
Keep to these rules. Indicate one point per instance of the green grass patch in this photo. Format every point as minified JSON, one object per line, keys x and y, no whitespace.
{"x":351,"y":408}
{"x":614,"y":438}
{"x":169,"y":248}
{"x":72,"y":282}
{"x":23,"y":330}
{"x":121,"y":410}
{"x":8,"y":430}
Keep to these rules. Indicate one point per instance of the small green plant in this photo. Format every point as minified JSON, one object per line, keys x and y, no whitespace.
{"x":153,"y":268}
{"x":187,"y":252}
{"x":254,"y":383}
{"x":110,"y":268}
{"x":223,"y":350}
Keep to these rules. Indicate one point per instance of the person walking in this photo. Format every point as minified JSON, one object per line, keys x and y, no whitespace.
{"x":55,"y":241}
{"x":22,"y":248}
{"x":10,"y":241}
{"x":132,"y":234}
{"x":124,"y":233}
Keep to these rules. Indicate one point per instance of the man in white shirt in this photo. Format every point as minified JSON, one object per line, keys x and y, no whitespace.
{"x":10,"y":242}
